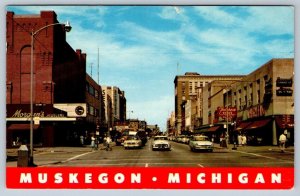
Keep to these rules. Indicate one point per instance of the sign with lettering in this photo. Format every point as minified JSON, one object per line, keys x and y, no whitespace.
{"x":284,"y":92}
{"x":224,"y":112}
{"x":256,"y":111}
{"x":72,"y":109}
{"x":39,"y":111}
{"x":284,"y":82}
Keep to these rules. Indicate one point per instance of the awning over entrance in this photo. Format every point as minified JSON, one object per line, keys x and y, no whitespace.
{"x":207,"y":129}
{"x":212,"y":129}
{"x":243,"y":125}
{"x":22,"y":127}
{"x":258,"y":124}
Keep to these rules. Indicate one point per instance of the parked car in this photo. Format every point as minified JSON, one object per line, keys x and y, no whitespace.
{"x":161,"y":143}
{"x":132,"y":141}
{"x":200,"y":142}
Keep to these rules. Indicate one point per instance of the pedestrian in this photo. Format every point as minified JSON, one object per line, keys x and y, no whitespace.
{"x":107,"y":142}
{"x":93,"y":142}
{"x":222,"y":140}
{"x":240,"y":140}
{"x":282,"y":140}
{"x":82,"y":140}
{"x":244,"y":140}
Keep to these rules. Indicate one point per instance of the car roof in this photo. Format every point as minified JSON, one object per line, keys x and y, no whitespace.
{"x":200,"y":136}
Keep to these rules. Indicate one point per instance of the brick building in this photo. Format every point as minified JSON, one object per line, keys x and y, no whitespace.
{"x":63,"y":105}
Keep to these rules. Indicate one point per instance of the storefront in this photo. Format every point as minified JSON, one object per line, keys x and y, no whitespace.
{"x":51,"y":126}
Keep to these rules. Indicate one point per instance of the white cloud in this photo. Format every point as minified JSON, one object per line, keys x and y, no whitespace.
{"x":273,"y":20}
{"x":175,"y":13}
{"x":216,"y":15}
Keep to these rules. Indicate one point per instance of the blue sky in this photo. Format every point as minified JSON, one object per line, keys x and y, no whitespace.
{"x":143,"y":48}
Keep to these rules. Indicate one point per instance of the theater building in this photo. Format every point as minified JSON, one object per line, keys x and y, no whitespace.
{"x":65,"y":99}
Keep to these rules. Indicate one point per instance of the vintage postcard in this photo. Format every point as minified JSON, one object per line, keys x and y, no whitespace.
{"x":150,"y":97}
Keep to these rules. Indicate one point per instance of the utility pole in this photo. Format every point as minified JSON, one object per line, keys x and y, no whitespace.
{"x":98,"y":66}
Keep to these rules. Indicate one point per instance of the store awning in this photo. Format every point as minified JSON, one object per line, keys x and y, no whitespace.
{"x":207,"y":129}
{"x":198,"y":131}
{"x":212,"y":129}
{"x":258,"y":124}
{"x":242,"y":126}
{"x":22,"y":127}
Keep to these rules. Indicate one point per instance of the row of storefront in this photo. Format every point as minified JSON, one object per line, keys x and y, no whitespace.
{"x":260,"y":131}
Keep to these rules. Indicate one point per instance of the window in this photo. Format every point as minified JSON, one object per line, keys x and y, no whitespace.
{"x":190,"y":87}
{"x":96,"y":94}
{"x":91,"y":90}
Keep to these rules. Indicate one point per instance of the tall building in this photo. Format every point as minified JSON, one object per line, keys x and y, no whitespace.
{"x":186,"y":88}
{"x":118,"y":103}
{"x":171,"y":124}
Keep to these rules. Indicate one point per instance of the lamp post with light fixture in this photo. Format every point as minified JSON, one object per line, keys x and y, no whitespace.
{"x":67,"y":28}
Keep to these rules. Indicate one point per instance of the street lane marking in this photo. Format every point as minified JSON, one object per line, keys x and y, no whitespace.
{"x":77,"y":156}
{"x":258,"y":155}
{"x":200,"y":165}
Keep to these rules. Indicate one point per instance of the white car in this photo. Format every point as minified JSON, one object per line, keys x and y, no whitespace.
{"x":200,"y":142}
{"x":132,"y":142}
{"x":161,"y":143}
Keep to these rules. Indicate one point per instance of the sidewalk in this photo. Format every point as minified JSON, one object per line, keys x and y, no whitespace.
{"x":12,"y":153}
{"x":253,"y":148}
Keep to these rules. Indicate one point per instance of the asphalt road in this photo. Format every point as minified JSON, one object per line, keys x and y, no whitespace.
{"x":179,"y":156}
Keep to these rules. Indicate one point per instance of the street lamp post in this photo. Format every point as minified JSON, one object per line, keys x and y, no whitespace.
{"x":129,"y":114}
{"x":67,"y":28}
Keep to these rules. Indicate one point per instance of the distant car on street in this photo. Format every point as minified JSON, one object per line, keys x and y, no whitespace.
{"x":132,"y":141}
{"x":161,"y":143}
{"x":200,"y":142}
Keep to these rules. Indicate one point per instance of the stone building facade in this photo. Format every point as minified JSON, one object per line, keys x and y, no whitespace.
{"x":259,"y":105}
{"x":187,"y":88}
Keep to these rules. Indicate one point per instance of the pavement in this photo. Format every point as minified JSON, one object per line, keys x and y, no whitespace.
{"x":12,"y":153}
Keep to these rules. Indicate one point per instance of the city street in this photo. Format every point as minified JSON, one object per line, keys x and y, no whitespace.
{"x":179,"y":156}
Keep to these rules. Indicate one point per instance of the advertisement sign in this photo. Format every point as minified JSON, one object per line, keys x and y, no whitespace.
{"x":224,"y":112}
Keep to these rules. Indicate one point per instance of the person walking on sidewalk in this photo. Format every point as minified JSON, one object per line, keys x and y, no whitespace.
{"x":282,"y":140}
{"x":107,"y":143}
{"x":93,"y":142}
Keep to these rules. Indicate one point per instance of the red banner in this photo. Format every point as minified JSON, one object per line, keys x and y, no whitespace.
{"x":149,"y":178}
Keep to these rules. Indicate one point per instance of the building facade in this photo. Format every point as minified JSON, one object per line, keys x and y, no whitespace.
{"x":265,"y":99}
{"x":118,"y":105}
{"x":60,"y":84}
{"x":260,"y":105}
{"x":187,"y":88}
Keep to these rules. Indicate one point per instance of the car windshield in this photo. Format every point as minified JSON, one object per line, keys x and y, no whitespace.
{"x":132,"y":137}
{"x":160,"y":138}
{"x":201,"y":138}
